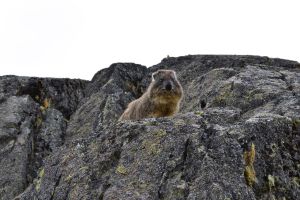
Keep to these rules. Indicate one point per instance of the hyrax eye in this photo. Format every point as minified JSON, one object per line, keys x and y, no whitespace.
{"x":161,"y":80}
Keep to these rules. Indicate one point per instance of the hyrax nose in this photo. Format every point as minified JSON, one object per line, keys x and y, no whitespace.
{"x":168,"y":87}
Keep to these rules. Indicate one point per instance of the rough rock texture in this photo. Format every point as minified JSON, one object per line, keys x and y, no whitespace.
{"x":107,"y":95}
{"x":16,"y":138}
{"x":63,"y":94}
{"x":33,"y":119}
{"x":237,"y":135}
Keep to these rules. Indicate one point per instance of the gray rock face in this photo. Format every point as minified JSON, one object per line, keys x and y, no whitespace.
{"x":16,"y":136}
{"x":107,"y":96}
{"x":237,"y":135}
{"x":63,"y":94}
{"x":33,"y":114}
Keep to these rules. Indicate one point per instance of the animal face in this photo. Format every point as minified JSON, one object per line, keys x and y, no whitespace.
{"x":165,"y":84}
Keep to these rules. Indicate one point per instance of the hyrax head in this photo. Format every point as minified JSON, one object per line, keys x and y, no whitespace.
{"x":165,"y":83}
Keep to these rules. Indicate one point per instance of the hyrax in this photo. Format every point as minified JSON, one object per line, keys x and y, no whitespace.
{"x":161,"y":99}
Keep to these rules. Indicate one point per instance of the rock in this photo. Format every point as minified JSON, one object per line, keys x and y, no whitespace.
{"x":62,"y":94}
{"x":126,"y":76}
{"x":52,"y":129}
{"x":237,"y":135}
{"x":31,"y":127}
{"x":107,"y":96}
{"x":276,"y":147}
{"x":17,"y":116}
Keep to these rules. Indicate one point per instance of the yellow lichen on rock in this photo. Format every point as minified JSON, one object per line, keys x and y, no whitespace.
{"x":249,"y":173}
{"x":37,"y":182}
{"x":47,"y":103}
{"x":121,"y":170}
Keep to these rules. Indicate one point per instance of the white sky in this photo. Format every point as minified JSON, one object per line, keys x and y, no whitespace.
{"x":72,"y":38}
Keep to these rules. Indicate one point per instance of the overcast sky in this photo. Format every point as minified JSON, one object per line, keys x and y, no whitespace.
{"x":72,"y":38}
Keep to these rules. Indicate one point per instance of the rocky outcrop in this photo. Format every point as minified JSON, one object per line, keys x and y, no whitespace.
{"x":63,"y":94}
{"x":33,"y":118}
{"x":16,"y":136}
{"x":237,"y":135}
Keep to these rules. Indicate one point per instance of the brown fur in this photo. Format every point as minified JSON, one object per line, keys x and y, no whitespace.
{"x":157,"y":101}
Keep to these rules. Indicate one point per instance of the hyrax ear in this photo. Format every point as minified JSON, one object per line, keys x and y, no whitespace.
{"x":155,"y":75}
{"x":174,"y":74}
